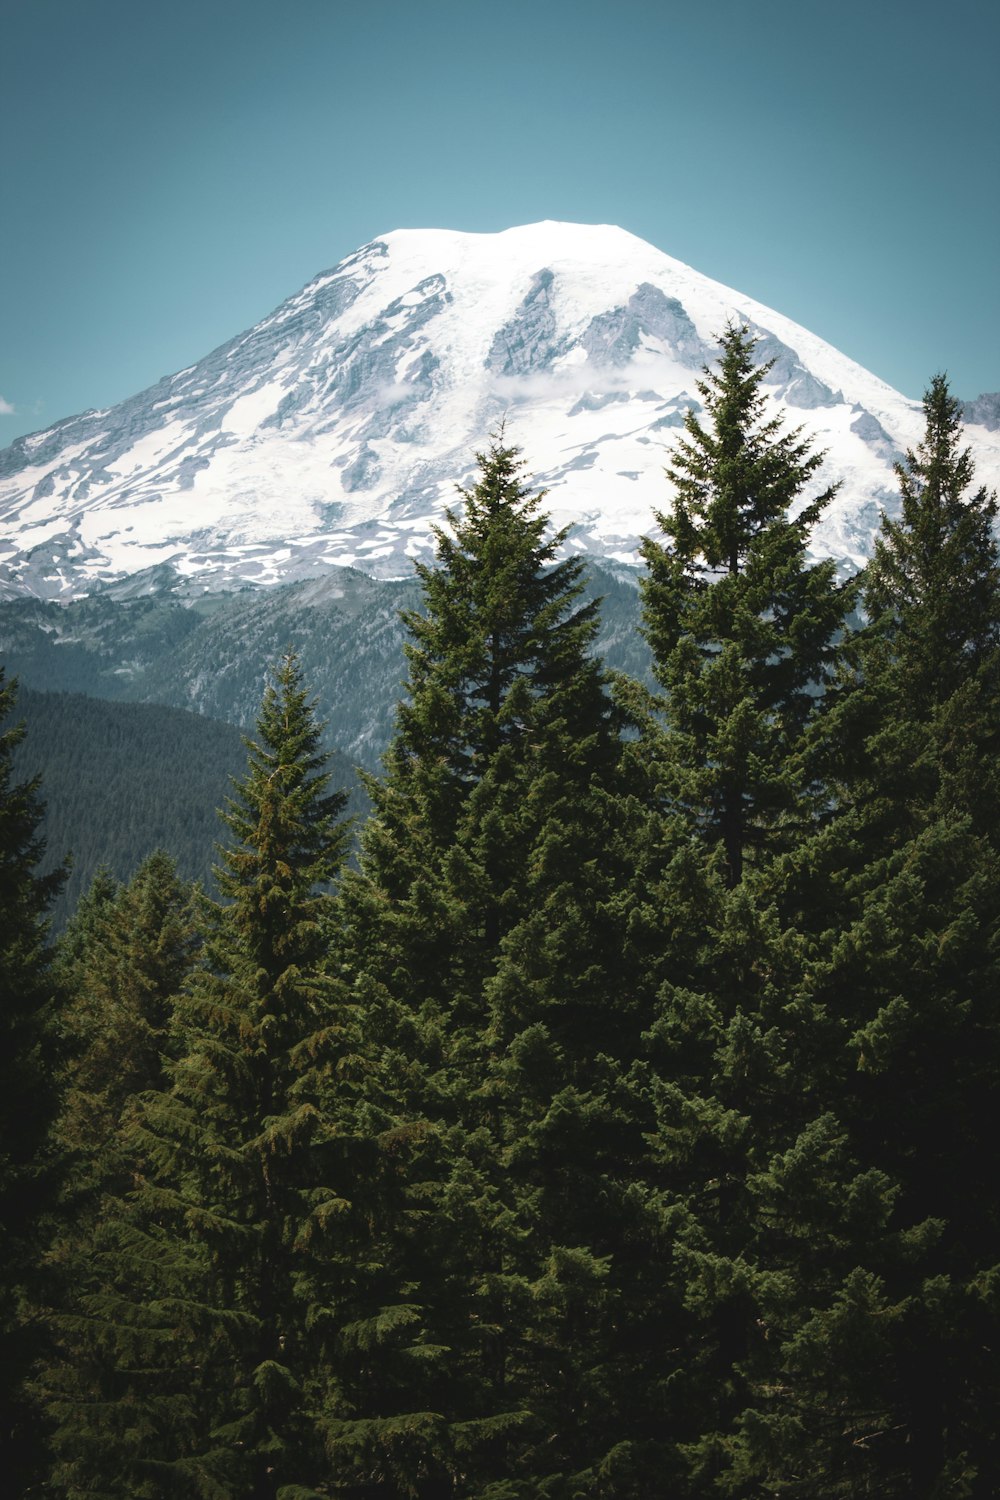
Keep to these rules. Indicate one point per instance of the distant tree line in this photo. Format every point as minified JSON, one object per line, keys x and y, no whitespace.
{"x":125,"y":779}
{"x":624,"y":1123}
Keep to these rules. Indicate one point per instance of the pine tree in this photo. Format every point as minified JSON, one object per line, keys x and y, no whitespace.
{"x":880,"y":1360}
{"x":84,"y":926}
{"x":498,"y":664}
{"x":29,"y":1051}
{"x":746,"y":635}
{"x":485,"y":909}
{"x":125,"y":957}
{"x":121,"y":964}
{"x":930,"y":661}
{"x":505,"y":730}
{"x":198,"y":1318}
{"x":743,"y":629}
{"x":912,"y":965}
{"x":934,"y":579}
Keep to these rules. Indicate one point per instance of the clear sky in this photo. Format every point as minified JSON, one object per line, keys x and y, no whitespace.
{"x":171,"y":170}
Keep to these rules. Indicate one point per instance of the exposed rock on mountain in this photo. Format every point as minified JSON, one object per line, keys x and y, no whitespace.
{"x":333,"y":433}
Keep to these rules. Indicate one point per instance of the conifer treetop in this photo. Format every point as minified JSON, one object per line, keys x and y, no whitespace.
{"x":936,"y":570}
{"x":743,"y":626}
{"x":501,"y":618}
{"x":738,"y":477}
{"x":290,"y":840}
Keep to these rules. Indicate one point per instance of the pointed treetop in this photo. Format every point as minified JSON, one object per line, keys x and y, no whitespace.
{"x":934,"y":577}
{"x":739,"y":476}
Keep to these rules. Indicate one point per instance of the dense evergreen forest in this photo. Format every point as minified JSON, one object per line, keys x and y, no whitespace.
{"x":148,"y":640}
{"x":621,"y":1123}
{"x":123,"y":780}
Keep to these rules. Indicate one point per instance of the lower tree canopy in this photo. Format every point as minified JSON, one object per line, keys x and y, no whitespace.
{"x":619,"y":1122}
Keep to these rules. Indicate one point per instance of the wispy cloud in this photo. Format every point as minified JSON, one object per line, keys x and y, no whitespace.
{"x":648,"y":371}
{"x":6,"y":410}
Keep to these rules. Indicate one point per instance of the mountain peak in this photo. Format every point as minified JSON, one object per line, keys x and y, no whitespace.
{"x":334,"y":431}
{"x":558,"y":235}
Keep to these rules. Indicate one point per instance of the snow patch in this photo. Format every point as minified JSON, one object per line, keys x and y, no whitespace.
{"x":335,"y":431}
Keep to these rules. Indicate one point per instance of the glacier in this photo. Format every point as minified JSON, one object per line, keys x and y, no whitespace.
{"x":334,"y":432}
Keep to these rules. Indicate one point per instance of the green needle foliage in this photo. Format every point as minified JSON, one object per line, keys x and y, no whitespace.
{"x":931,"y":659}
{"x":231,"y":1142}
{"x":881,"y":1322}
{"x":198,"y":1309}
{"x":499,"y":674}
{"x":29,"y":1052}
{"x":913,"y":964}
{"x":485,"y":909}
{"x":122,"y":962}
{"x":746,"y":635}
{"x":623,"y":1124}
{"x":933,"y":581}
{"x":743,"y":628}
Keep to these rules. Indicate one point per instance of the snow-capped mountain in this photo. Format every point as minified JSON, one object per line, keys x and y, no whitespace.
{"x":334,"y":432}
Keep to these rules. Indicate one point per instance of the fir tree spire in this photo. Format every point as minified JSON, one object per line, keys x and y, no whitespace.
{"x":743,"y":629}
{"x":911,"y":962}
{"x":485,"y":909}
{"x":500,"y":669}
{"x":934,"y":577}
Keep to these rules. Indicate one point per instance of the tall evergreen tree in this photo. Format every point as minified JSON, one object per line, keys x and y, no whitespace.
{"x":743,"y":628}
{"x":912,"y":966}
{"x":930,"y":662}
{"x":29,"y":1050}
{"x":198,"y":1314}
{"x":878,"y":1363}
{"x":485,"y":908}
{"x":121,"y":964}
{"x":934,"y":578}
{"x":499,"y":667}
{"x":746,"y":633}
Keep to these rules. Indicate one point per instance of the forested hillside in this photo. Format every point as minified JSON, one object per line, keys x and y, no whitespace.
{"x":147,"y":641}
{"x":123,"y":779}
{"x":621,"y":1122}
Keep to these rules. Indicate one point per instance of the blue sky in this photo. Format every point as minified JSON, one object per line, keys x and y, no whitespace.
{"x":172,"y":169}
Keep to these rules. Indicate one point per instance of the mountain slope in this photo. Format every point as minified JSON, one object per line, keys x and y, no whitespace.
{"x":122,"y":779}
{"x":334,"y":431}
{"x":212,"y":653}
